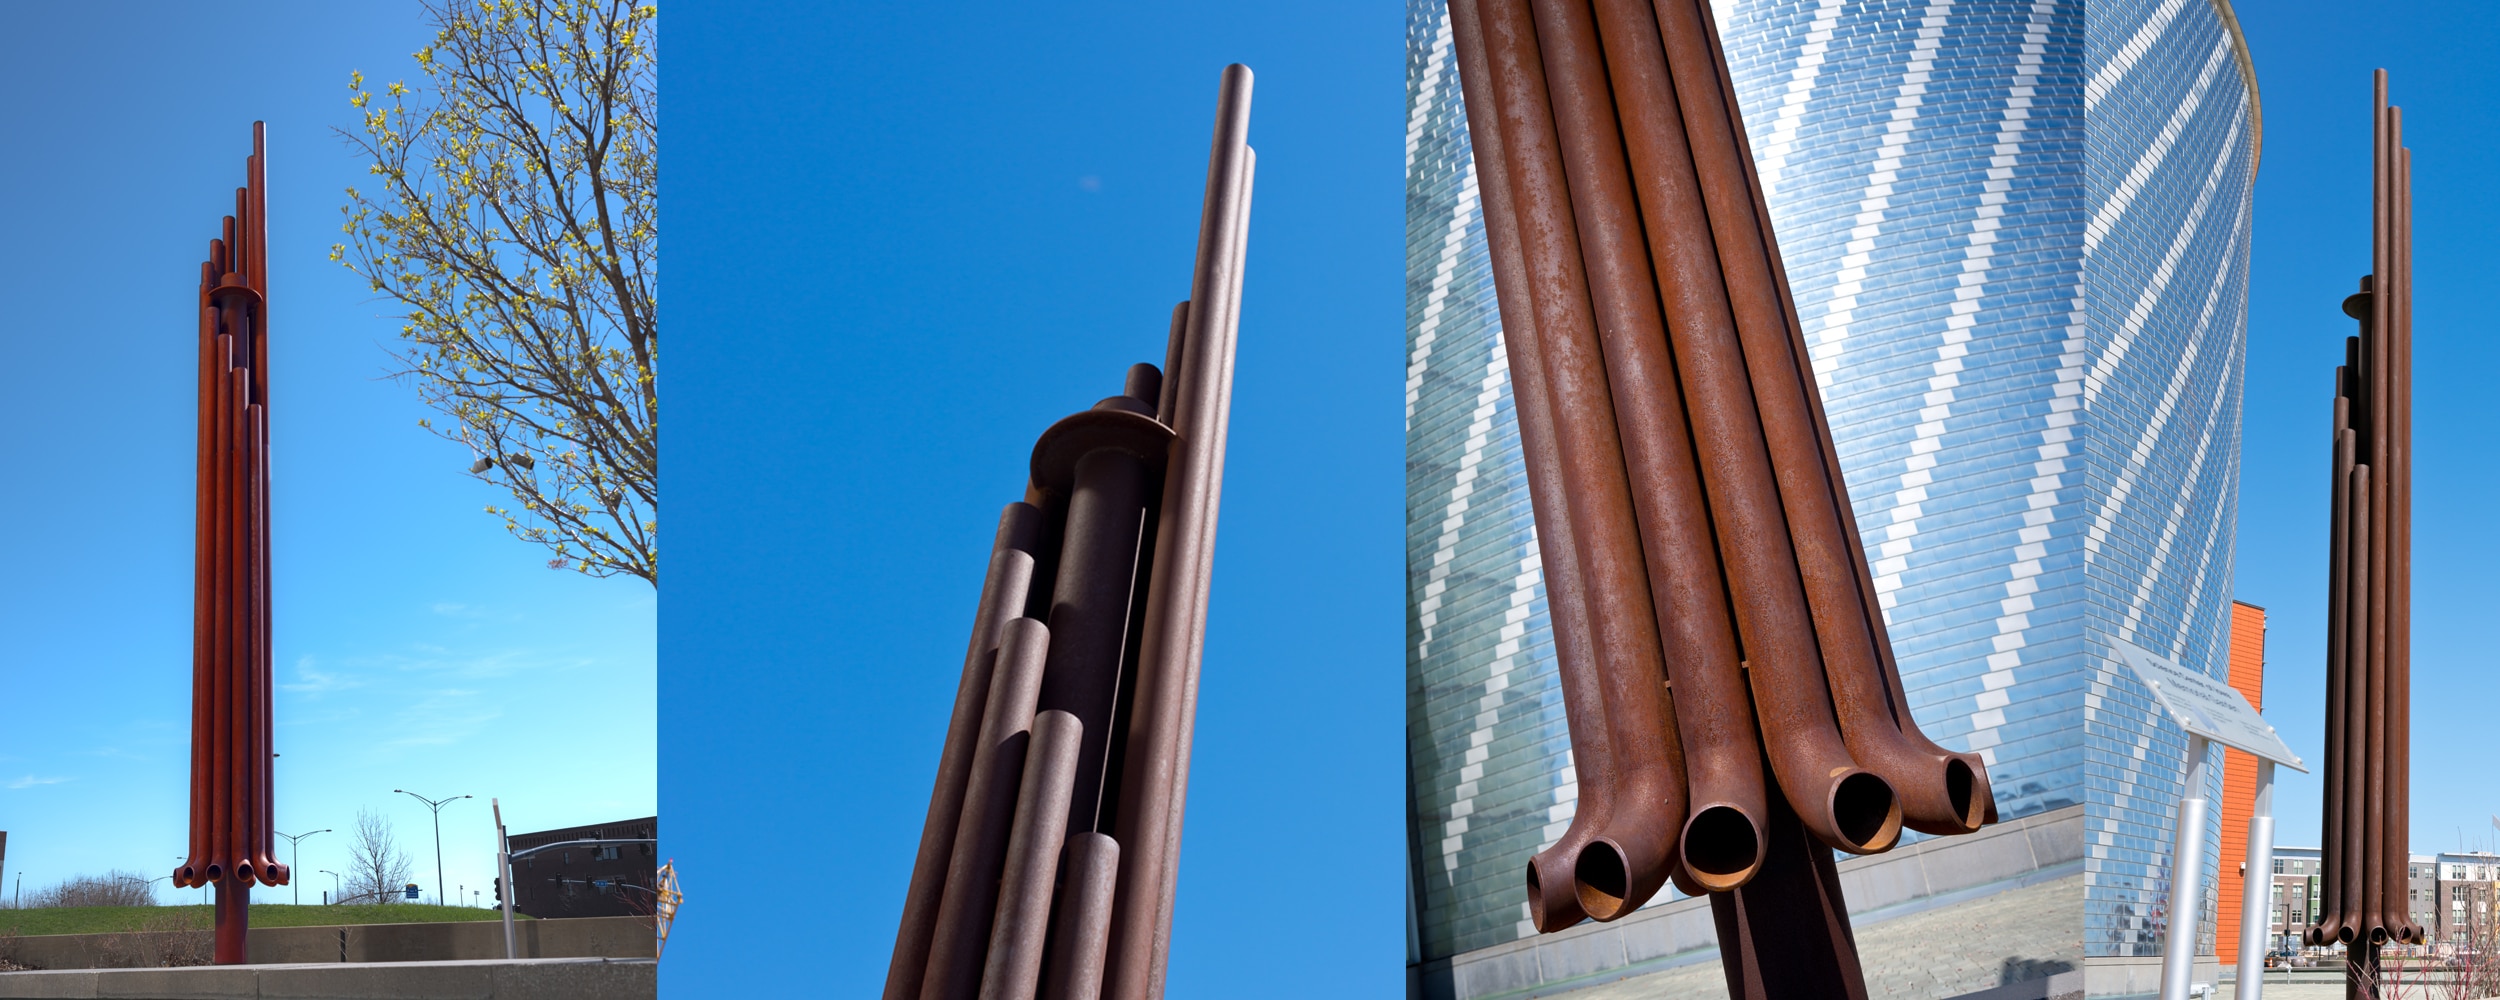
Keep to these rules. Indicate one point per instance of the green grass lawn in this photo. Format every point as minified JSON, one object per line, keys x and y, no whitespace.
{"x":116,"y":919}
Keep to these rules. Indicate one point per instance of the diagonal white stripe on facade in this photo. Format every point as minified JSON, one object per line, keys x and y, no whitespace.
{"x":1434,"y":65}
{"x":2124,"y":484}
{"x":1428,"y":329}
{"x":1445,"y":549}
{"x":1988,"y":706}
{"x":2107,"y":217}
{"x":2151,"y":296}
{"x":2141,"y":42}
{"x":1877,"y":196}
{"x":1772,"y":165}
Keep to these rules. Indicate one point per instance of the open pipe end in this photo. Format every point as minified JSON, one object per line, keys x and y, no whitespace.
{"x":1865,"y":813}
{"x":214,"y":872}
{"x":2344,"y":934}
{"x":1966,"y":797}
{"x":2378,"y":935}
{"x":1602,"y":882}
{"x":1722,"y":847}
{"x":1553,"y":897}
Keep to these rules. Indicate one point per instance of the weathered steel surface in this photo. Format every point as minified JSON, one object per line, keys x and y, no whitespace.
{"x":1049,"y":858}
{"x":2364,"y":901}
{"x":232,"y":772}
{"x":1724,"y":664}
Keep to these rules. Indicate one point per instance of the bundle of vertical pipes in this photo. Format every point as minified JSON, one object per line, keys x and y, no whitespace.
{"x":1713,"y":610}
{"x":2363,"y":896}
{"x":1050,"y":854}
{"x":232,"y":846}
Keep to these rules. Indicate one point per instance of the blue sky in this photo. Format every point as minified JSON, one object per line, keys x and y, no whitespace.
{"x":417,"y":645}
{"x":2312,"y":245}
{"x":902,"y":243}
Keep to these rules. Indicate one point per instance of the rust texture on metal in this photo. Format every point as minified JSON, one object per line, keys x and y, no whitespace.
{"x":1050,"y":855}
{"x":2363,"y":901}
{"x":1734,"y":707}
{"x":232,"y":755}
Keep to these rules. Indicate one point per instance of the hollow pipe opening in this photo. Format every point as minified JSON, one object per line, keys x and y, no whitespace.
{"x":1959,"y":784}
{"x":1558,"y":906}
{"x":1602,"y":880}
{"x":215,"y":872}
{"x":1722,"y":847}
{"x":1865,"y":810}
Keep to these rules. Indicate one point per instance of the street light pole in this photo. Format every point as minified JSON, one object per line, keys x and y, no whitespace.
{"x":294,"y":855}
{"x":436,"y":805}
{"x":337,"y":886}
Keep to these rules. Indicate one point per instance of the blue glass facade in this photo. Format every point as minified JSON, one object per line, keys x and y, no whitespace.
{"x":1489,"y":759}
{"x":2017,"y":236}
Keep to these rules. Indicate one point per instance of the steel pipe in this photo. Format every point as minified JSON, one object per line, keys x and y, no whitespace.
{"x":1003,"y":596}
{"x":1553,"y":895}
{"x":968,"y":907}
{"x":1017,"y":938}
{"x":1635,"y":851}
{"x":1150,"y":773}
{"x":1082,"y":931}
{"x":2358,"y":844}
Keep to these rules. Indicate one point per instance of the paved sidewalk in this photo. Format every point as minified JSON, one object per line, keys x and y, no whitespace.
{"x":2024,"y":933}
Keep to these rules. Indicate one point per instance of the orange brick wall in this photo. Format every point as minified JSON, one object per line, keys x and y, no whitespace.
{"x":2239,"y":781}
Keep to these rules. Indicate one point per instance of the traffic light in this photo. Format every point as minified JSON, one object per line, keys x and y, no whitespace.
{"x":499,"y":892}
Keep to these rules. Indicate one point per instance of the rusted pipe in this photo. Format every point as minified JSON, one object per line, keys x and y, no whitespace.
{"x":1083,"y":928}
{"x":2400,"y":564}
{"x":1648,"y":806}
{"x":1022,"y":929}
{"x":1003,"y":594}
{"x":1841,"y":803}
{"x":1940,"y":791}
{"x":2357,"y":717}
{"x":1786,"y":933}
{"x":1220,"y":427}
{"x":1149,"y":776}
{"x":2331,"y":824}
{"x":1104,"y":461}
{"x":1635,"y":849}
{"x":1723,"y":841}
{"x":1553,"y":897}
{"x":1974,"y":767}
{"x":968,"y":906}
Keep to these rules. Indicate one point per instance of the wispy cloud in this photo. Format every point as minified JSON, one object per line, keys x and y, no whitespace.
{"x":311,"y":679}
{"x":31,"y":781}
{"x":443,"y":718}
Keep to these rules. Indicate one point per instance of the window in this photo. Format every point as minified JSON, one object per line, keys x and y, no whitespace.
{"x":2278,"y":866}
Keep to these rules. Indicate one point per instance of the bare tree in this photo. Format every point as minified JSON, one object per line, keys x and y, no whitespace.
{"x":113,"y":888}
{"x":376,"y":867}
{"x":517,"y":223}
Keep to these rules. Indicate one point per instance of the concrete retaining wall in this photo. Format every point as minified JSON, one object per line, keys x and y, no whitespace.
{"x":526,"y":979}
{"x":581,"y":937}
{"x":1662,"y":935}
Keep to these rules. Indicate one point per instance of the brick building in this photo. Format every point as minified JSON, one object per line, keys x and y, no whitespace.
{"x":600,"y":870}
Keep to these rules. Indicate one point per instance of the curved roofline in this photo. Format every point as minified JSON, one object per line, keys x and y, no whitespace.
{"x":2248,"y":75}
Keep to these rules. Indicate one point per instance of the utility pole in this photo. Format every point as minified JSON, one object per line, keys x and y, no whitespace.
{"x":503,"y":864}
{"x":436,"y":805}
{"x":295,"y":856}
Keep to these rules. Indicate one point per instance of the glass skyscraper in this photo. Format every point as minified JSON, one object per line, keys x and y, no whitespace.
{"x":2017,"y":234}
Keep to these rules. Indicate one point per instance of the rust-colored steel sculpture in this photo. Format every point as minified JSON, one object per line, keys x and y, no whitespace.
{"x":1051,"y":851}
{"x":231,"y":844}
{"x":2363,"y":900}
{"x":1734,"y":708}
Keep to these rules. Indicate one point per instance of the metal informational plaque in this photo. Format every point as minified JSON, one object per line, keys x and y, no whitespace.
{"x":2207,"y":707}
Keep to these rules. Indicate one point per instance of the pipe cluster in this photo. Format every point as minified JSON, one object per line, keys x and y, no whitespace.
{"x":1049,"y":858}
{"x":1713,"y":611}
{"x":2363,"y":894}
{"x":232,"y":846}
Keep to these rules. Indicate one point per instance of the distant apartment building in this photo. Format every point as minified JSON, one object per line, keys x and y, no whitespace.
{"x":599,"y":870}
{"x":2451,"y":895}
